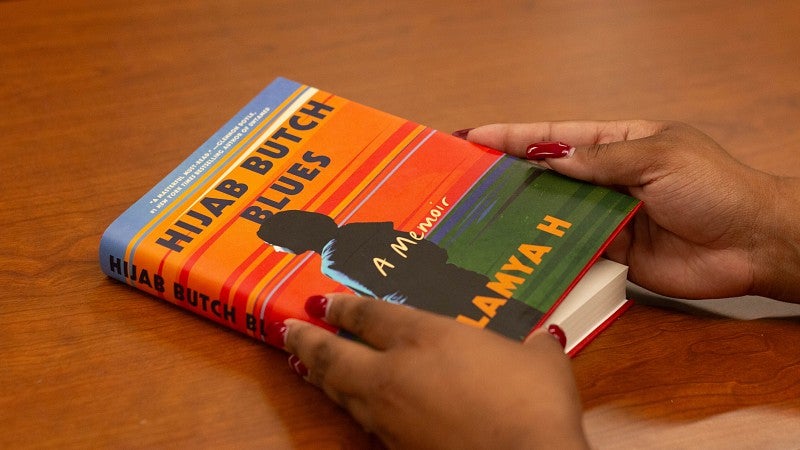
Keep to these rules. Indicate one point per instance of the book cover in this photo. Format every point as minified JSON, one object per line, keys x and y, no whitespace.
{"x":304,"y":192}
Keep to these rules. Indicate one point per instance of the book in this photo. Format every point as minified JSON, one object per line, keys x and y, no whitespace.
{"x":304,"y":192}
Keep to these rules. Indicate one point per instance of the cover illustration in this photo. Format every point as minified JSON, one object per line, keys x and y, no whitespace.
{"x":304,"y":192}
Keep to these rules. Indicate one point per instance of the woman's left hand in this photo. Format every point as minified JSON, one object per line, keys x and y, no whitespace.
{"x":421,"y":380}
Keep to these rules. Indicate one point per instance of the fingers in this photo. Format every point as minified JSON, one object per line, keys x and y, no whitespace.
{"x":334,"y":362}
{"x":551,"y":339}
{"x":346,"y":369}
{"x":339,"y":366}
{"x":377,"y":323}
{"x":609,"y":153}
{"x":515,"y":138}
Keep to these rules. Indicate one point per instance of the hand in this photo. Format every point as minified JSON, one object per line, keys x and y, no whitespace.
{"x":710,"y":226}
{"x":420,"y":380}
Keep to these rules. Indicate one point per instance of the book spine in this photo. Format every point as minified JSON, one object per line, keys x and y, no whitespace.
{"x":148,"y":278}
{"x":146,"y":246}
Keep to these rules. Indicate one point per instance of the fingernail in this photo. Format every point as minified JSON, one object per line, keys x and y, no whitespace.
{"x":548,"y":149}
{"x":276,"y":334}
{"x":462,"y":134}
{"x":317,"y":306}
{"x":298,"y":366}
{"x":558,"y":333}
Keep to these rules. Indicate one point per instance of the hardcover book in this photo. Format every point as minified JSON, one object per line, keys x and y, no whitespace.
{"x":304,"y":192}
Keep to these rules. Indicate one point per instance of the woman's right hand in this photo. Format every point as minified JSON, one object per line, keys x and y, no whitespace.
{"x":710,"y":226}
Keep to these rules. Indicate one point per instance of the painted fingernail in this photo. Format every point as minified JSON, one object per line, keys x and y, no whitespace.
{"x":462,"y":133}
{"x":548,"y":149}
{"x":276,"y":334}
{"x":558,"y":333}
{"x":317,"y":306}
{"x":298,"y":366}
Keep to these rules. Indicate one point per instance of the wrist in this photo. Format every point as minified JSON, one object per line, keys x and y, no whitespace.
{"x":776,"y":263}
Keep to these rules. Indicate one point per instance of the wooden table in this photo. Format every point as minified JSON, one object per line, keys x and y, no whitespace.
{"x":100,"y":99}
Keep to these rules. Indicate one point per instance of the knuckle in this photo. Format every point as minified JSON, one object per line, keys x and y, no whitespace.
{"x":596,"y":150}
{"x":338,"y":397}
{"x":355,"y":315}
{"x":314,"y":349}
{"x":320,"y":360}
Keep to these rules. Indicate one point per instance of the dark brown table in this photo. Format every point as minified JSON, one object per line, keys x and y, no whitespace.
{"x":100,"y":99}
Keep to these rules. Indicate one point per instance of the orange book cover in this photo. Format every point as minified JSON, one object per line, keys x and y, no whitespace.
{"x":304,"y":192}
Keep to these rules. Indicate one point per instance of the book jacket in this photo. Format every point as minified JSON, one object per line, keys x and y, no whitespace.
{"x":304,"y":192}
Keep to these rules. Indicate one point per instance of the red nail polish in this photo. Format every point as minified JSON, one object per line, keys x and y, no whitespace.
{"x":558,"y":333}
{"x":548,"y":149}
{"x":276,"y":334}
{"x":298,"y":366}
{"x":317,"y":306}
{"x":462,"y":134}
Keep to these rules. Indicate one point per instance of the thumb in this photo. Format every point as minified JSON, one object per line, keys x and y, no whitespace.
{"x":610,"y":153}
{"x":621,"y":163}
{"x":553,"y":337}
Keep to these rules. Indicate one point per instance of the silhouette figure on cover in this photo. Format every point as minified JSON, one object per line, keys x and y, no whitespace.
{"x":374,"y":259}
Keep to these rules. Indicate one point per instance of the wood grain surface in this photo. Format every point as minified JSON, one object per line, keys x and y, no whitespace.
{"x":100,"y":99}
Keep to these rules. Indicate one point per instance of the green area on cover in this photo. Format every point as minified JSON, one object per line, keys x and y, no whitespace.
{"x":507,"y":214}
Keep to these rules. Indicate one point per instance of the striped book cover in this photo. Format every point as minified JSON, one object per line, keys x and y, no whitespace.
{"x":304,"y":192}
